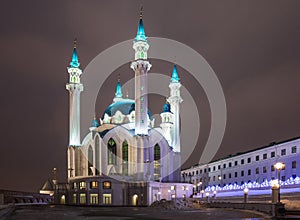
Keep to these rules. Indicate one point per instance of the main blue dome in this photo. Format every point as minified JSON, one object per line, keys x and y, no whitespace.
{"x":125,"y":106}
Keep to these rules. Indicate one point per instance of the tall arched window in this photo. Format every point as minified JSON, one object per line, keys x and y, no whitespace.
{"x":97,"y":155}
{"x":111,"y":152}
{"x":90,"y":161}
{"x":156,"y":162}
{"x":125,"y":157}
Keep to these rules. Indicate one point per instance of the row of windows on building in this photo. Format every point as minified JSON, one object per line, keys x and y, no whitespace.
{"x":242,"y":173}
{"x":242,"y":162}
{"x":92,"y":185}
{"x":94,"y":198}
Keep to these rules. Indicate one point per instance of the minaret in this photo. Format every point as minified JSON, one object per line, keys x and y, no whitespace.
{"x":141,"y":66}
{"x":75,"y":88}
{"x":174,"y":101}
{"x":167,"y":122}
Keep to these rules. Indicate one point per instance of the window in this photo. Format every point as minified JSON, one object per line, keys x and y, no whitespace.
{"x":264,"y":169}
{"x":214,"y":168}
{"x":224,"y":165}
{"x":273,"y":154}
{"x":235,"y":174}
{"x":265,"y":156}
{"x":74,"y":198}
{"x":200,"y":171}
{"x":219,"y":167}
{"x":209,"y":169}
{"x":283,"y":178}
{"x":229,"y":164}
{"x":142,"y":99}
{"x":106,"y":185}
{"x":74,"y":185}
{"x":257,"y":158}
{"x":257,"y":170}
{"x":249,"y":172}
{"x":294,"y":176}
{"x":205,"y":170}
{"x":94,"y":184}
{"x":125,"y":157}
{"x":272,"y":168}
{"x":242,"y":161}
{"x":94,"y":198}
{"x":242,"y":173}
{"x":90,"y":161}
{"x":229,"y":175}
{"x":214,"y":178}
{"x":82,"y":199}
{"x":294,"y":164}
{"x":219,"y":177}
{"x":283,"y":152}
{"x":235,"y":163}
{"x":112,"y":151}
{"x":196,"y":172}
{"x":249,"y":160}
{"x":82,"y":185}
{"x":224,"y":176}
{"x":106,"y":199}
{"x":172,"y":187}
{"x":294,"y":150}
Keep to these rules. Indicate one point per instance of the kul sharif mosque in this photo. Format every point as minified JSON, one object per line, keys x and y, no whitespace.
{"x":124,"y":159}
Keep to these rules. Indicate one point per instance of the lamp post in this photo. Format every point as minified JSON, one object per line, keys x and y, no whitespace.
{"x":199,"y":185}
{"x":279,"y":166}
{"x":246,"y":191}
{"x":215,"y":194}
{"x":207,"y":197}
{"x":202,"y":192}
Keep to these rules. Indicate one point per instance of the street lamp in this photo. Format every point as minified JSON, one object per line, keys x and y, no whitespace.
{"x":246,"y":191}
{"x":215,"y":194}
{"x":279,"y":166}
{"x":202,"y":192}
{"x":207,"y":196}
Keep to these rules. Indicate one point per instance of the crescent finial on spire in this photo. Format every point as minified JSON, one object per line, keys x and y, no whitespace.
{"x":141,"y":12}
{"x":75,"y":42}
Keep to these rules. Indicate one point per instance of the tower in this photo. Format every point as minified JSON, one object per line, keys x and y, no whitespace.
{"x":141,"y":66}
{"x":175,"y":101}
{"x":167,"y":122}
{"x":75,"y":88}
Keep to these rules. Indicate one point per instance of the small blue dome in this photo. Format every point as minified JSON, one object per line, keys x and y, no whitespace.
{"x":141,"y":36}
{"x":125,"y":106}
{"x":95,"y":123}
{"x":175,"y":77}
{"x":167,"y":108}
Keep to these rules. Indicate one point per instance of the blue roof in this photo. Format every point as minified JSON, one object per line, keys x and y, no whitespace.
{"x":74,"y":63}
{"x":95,"y":123}
{"x":167,"y":108}
{"x":119,"y":90}
{"x":175,"y":77}
{"x":125,"y":106}
{"x":140,"y":35}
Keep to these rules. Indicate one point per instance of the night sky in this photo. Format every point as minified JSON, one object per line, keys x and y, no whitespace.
{"x":253,"y":47}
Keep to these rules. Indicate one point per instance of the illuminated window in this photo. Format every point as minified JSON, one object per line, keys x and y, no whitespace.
{"x":94,"y":184}
{"x":106,"y":199}
{"x":74,"y":185}
{"x":82,"y":199}
{"x":82,"y":185}
{"x":106,"y":185}
{"x":156,"y":162}
{"x":112,"y":151}
{"x":74,"y":198}
{"x":294,"y":150}
{"x":172,"y":187}
{"x":272,"y":168}
{"x":94,"y":199}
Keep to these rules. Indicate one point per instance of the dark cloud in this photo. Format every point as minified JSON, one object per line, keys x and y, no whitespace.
{"x":253,"y":46}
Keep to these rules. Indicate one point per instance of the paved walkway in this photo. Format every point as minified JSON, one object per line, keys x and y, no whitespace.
{"x":49,"y":212}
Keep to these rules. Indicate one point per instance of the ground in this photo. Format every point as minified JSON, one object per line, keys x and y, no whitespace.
{"x":49,"y":212}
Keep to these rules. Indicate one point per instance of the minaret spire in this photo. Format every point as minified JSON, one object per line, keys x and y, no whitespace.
{"x":118,"y":94}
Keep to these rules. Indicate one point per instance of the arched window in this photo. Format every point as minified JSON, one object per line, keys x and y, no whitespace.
{"x":97,"y":156}
{"x":90,"y":161}
{"x":111,"y":152}
{"x":156,"y":162}
{"x":125,"y":157}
